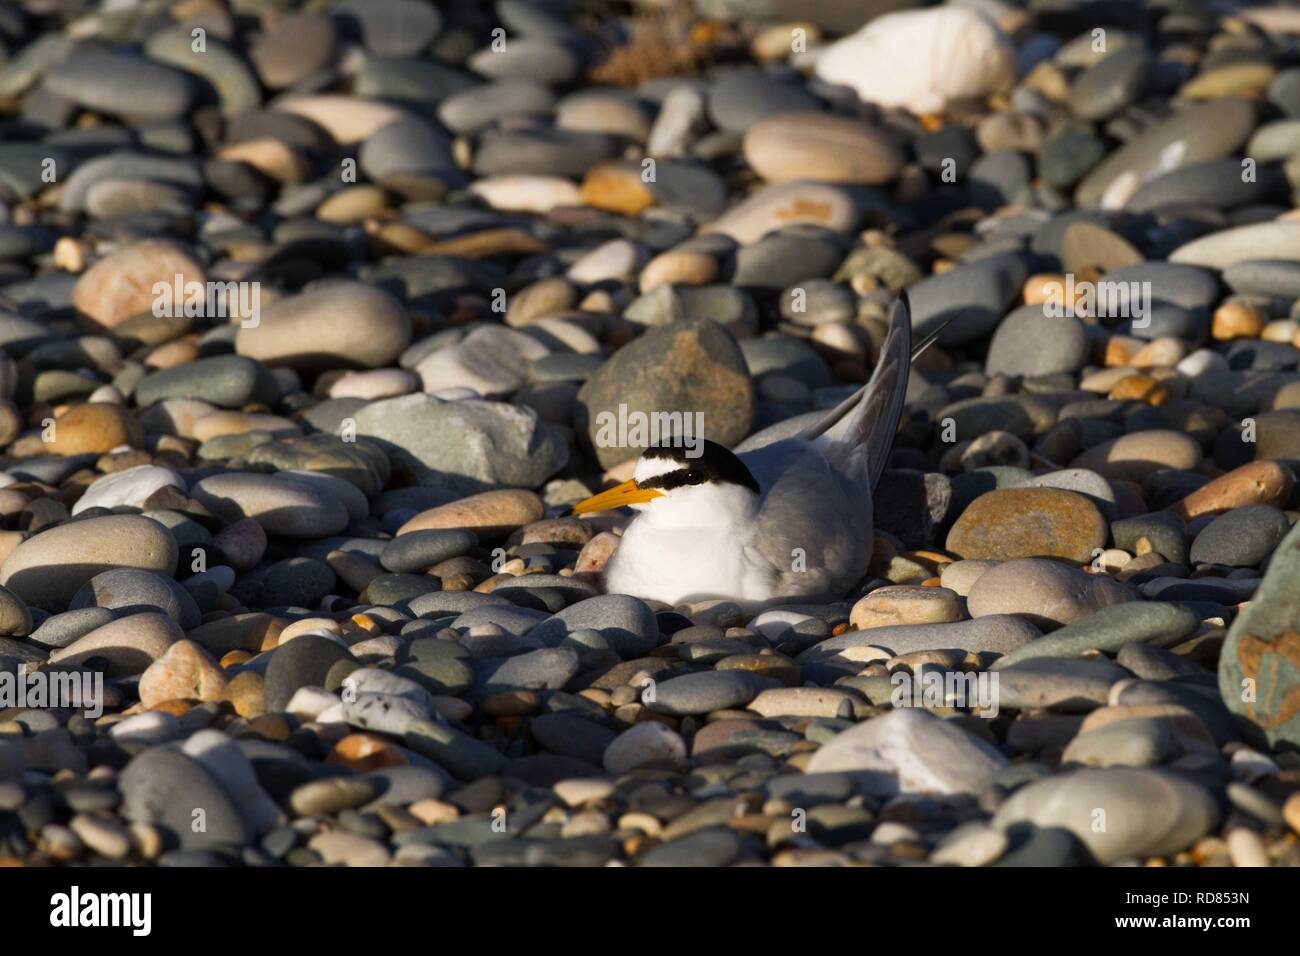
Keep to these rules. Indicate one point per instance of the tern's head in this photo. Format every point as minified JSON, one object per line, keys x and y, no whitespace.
{"x":670,"y":476}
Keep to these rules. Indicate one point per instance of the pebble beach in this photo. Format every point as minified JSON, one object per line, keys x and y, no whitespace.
{"x":316,"y":319}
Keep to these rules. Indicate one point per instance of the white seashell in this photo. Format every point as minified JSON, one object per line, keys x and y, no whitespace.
{"x":922,"y":59}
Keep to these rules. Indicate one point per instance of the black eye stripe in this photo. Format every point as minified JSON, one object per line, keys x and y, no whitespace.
{"x":674,"y":479}
{"x":714,"y":463}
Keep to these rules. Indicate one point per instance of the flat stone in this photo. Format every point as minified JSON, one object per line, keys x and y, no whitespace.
{"x":1147,"y":813}
{"x":971,"y":844}
{"x":548,"y":668}
{"x":48,"y":569}
{"x":340,"y":324}
{"x":974,"y":295}
{"x":909,"y":751}
{"x":1028,"y":523}
{"x":822,"y":148}
{"x":121,"y":284}
{"x":905,"y":604}
{"x":648,"y":742}
{"x":1221,"y":250}
{"x":779,"y":205}
{"x":1070,"y":685}
{"x":693,"y":366}
{"x":1001,"y":634}
{"x":302,"y":662}
{"x":467,"y":445}
{"x":389,"y":27}
{"x":129,"y":644}
{"x":1111,"y":84}
{"x":229,"y":381}
{"x":1201,"y":132}
{"x":282,"y":507}
{"x":625,"y":622}
{"x":489,"y":514}
{"x":1046,"y":592}
{"x":166,"y":788}
{"x":1031,"y":342}
{"x":130,"y":487}
{"x":1112,"y":628}
{"x":1138,"y":454}
{"x":1243,"y":537}
{"x":716,"y":846}
{"x":708,"y":691}
{"x":107,"y":81}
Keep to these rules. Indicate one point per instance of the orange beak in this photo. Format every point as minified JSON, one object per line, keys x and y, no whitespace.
{"x":625,"y":494}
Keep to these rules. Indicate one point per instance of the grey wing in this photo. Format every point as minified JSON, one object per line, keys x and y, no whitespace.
{"x":813,"y":525}
{"x":857,"y":434}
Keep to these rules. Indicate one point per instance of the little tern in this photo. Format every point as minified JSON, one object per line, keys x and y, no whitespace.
{"x":789,"y":521}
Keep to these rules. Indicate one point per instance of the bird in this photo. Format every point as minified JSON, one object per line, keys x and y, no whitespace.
{"x":781,"y":522}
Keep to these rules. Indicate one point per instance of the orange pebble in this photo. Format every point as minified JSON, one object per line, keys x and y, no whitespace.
{"x":1236,"y":320}
{"x":1142,"y":388}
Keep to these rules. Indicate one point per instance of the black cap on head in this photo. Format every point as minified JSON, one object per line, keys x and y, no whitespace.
{"x":713,"y":463}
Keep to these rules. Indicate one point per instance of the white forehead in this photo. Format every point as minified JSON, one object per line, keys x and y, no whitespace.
{"x":647,"y":468}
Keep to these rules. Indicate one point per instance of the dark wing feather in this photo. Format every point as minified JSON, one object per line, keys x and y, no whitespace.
{"x":858,"y":433}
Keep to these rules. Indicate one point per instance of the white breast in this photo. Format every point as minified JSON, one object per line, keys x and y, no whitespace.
{"x":694,"y":548}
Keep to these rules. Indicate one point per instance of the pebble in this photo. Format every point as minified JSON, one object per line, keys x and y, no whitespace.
{"x":909,"y":751}
{"x":973,"y":295}
{"x":1111,"y":84}
{"x":1111,"y":629}
{"x":165,"y":788}
{"x":1222,"y":250}
{"x":133,"y":87}
{"x":184,"y":672}
{"x":693,"y":365}
{"x":780,"y":205}
{"x":1029,"y":342}
{"x":48,"y":569}
{"x":1136,"y":455}
{"x":339,"y":848}
{"x":708,"y":691}
{"x":340,"y":324}
{"x":902,"y":604}
{"x":1048,"y":593}
{"x":129,"y":645}
{"x":641,"y":744}
{"x":281,"y":507}
{"x":813,"y":146}
{"x":1058,"y":683}
{"x":1202,"y":132}
{"x":972,"y":844}
{"x":1256,"y":649}
{"x":131,"y":487}
{"x":1010,"y":523}
{"x":469,"y":444}
{"x":1260,"y":482}
{"x":1242,"y":537}
{"x":1117,"y":813}
{"x":488,"y":514}
{"x":126,"y":590}
{"x":122,"y":284}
